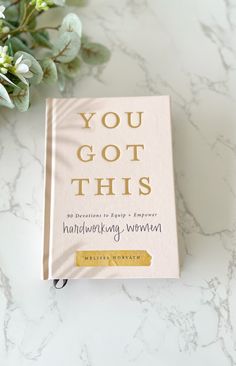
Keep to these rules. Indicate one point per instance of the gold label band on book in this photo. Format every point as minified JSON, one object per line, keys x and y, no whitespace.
{"x":108,"y":258}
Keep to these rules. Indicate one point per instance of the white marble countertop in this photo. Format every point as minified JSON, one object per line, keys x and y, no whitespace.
{"x":184,"y":48}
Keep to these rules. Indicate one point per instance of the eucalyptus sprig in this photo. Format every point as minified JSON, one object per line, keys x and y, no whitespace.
{"x":21,"y":38}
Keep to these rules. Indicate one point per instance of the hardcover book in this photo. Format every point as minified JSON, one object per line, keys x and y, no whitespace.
{"x":109,"y":189}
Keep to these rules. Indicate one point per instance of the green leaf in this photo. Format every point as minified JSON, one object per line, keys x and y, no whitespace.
{"x":76,"y":2}
{"x":66,"y":47}
{"x":4,"y":98}
{"x":59,"y":2}
{"x":11,"y":13}
{"x":72,"y":68}
{"x":10,"y":49}
{"x":35,"y":67}
{"x":49,"y":71}
{"x":18,"y":45}
{"x":4,"y":77}
{"x":84,"y":40}
{"x":61,"y":79}
{"x":22,"y":9}
{"x":42,"y":39}
{"x":71,"y":23}
{"x":94,"y":53}
{"x":32,"y":24}
{"x":20,"y":97}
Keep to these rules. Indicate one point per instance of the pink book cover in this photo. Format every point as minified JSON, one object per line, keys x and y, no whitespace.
{"x":109,"y":208}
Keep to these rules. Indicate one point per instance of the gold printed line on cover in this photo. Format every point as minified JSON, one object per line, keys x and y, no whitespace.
{"x":108,"y":258}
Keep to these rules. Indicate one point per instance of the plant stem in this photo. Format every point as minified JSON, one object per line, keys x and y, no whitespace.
{"x":44,"y":28}
{"x":26,"y":21}
{"x":7,"y":23}
{"x":25,"y":12}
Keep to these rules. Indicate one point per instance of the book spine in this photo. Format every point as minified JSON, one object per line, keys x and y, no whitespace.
{"x":47,"y":187}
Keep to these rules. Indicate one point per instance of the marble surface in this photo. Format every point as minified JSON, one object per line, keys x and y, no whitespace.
{"x":184,"y":48}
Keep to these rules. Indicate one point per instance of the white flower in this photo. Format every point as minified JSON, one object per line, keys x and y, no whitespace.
{"x":3,"y":50}
{"x":2,"y":9}
{"x":43,"y":5}
{"x":5,"y":29}
{"x":5,"y":59}
{"x":22,"y":69}
{"x":3,"y":70}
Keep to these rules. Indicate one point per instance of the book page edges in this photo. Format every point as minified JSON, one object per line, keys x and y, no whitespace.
{"x":174,"y":189}
{"x":47,"y":188}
